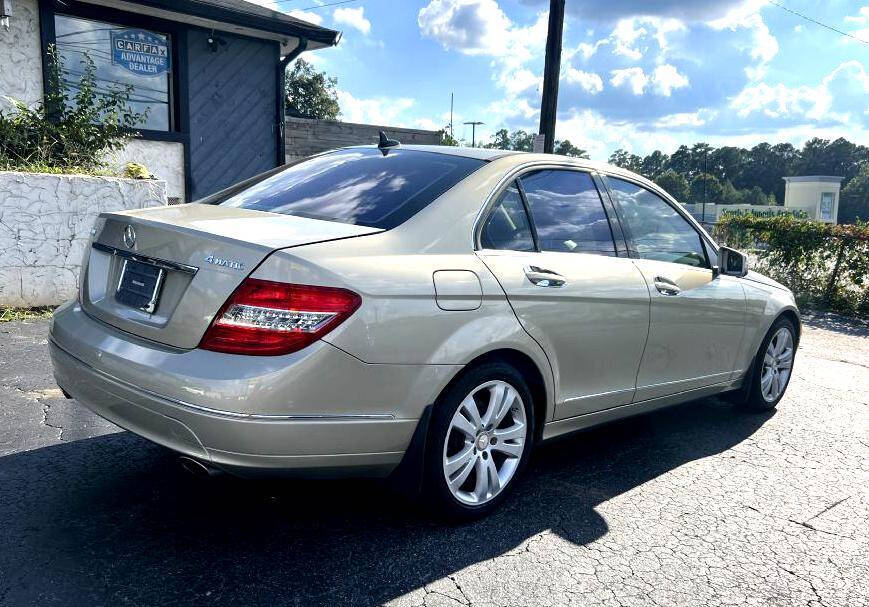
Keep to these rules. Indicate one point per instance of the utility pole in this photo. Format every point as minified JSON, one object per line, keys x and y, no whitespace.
{"x":474,"y":131}
{"x":551,"y":70}
{"x":452,"y":132}
{"x":705,"y":175}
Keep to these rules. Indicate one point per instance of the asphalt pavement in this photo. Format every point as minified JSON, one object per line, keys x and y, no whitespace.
{"x":695,"y":505}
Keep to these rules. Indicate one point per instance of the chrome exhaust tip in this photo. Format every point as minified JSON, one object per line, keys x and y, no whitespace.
{"x":197,"y":468}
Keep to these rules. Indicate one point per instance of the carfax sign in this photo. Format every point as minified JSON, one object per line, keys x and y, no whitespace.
{"x":140,"y":52}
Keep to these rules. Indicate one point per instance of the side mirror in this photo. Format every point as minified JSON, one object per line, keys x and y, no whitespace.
{"x":731,"y":262}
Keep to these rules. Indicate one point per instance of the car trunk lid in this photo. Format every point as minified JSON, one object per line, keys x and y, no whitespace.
{"x":191,"y":257}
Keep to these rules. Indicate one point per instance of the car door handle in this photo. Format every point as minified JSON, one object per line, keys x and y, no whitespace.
{"x":666,"y":286}
{"x":542,"y":277}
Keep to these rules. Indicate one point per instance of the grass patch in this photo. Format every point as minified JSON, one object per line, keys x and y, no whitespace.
{"x":17,"y":314}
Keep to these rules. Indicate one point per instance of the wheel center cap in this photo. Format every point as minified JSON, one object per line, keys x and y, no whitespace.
{"x":482,"y":441}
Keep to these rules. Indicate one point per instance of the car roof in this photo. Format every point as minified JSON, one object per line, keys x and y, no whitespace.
{"x":515,"y":158}
{"x":478,"y":153}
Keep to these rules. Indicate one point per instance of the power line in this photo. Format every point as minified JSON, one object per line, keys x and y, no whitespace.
{"x":308,"y":8}
{"x":816,"y":22}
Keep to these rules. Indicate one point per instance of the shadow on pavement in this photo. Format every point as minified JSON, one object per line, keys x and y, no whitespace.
{"x":112,"y":520}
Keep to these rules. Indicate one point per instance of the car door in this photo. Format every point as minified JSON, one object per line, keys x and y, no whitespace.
{"x":697,"y":317}
{"x":587,"y":307}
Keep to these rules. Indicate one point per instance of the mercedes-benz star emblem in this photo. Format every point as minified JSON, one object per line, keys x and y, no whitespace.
{"x":129,"y":237}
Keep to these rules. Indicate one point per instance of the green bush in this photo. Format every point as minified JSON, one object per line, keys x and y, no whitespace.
{"x":826,"y":265}
{"x":67,"y":133}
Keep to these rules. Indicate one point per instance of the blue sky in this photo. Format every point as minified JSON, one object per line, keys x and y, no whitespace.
{"x":639,"y":75}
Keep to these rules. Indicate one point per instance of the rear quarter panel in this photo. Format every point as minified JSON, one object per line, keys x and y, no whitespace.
{"x":399,"y":321}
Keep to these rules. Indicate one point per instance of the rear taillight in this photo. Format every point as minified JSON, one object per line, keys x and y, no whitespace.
{"x":269,"y":318}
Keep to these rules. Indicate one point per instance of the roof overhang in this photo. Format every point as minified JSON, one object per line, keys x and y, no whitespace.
{"x":814,"y":179}
{"x":234,"y":16}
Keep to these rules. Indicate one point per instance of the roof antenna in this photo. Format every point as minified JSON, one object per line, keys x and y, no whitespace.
{"x":386,"y":143}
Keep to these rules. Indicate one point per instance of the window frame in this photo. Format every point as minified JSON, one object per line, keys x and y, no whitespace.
{"x":832,"y":196}
{"x":514,"y":177}
{"x":705,"y":241}
{"x":178,"y":121}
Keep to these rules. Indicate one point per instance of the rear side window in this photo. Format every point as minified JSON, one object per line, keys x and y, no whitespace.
{"x":507,"y":226}
{"x":567,"y":212}
{"x":658,"y":231}
{"x":358,"y":185}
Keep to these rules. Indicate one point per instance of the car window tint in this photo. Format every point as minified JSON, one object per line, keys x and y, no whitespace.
{"x":568,"y":213}
{"x":507,"y":226}
{"x":358,"y":185}
{"x":658,"y":231}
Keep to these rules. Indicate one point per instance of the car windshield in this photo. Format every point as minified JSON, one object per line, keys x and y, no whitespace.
{"x":358,"y":185}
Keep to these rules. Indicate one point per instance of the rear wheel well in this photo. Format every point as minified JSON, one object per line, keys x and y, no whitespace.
{"x":529,"y":371}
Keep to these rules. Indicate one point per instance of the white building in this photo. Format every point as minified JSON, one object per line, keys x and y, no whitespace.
{"x":817,"y":195}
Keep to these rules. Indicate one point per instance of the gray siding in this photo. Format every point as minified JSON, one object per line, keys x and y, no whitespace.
{"x":305,"y":136}
{"x":233,"y":99}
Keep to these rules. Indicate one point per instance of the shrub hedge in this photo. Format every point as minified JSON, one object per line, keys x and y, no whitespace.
{"x":826,"y":265}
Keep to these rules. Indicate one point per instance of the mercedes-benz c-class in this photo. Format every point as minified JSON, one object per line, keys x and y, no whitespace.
{"x":427,"y":312}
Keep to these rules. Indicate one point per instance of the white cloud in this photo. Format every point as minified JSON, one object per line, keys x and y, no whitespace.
{"x":684,"y":119}
{"x":472,"y":26}
{"x":428,"y":124}
{"x":624,"y":36}
{"x":353,"y":17}
{"x":481,"y":28}
{"x":588,"y":81}
{"x":666,"y":78}
{"x":376,"y":110}
{"x":828,"y":101}
{"x":634,"y":77}
{"x":860,"y":20}
{"x":307,"y":16}
{"x":862,"y":16}
{"x":762,"y":46}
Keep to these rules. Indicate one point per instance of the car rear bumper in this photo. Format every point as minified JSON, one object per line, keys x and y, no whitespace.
{"x":339,"y":442}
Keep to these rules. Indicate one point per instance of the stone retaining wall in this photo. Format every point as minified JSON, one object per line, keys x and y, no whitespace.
{"x":45,"y":223}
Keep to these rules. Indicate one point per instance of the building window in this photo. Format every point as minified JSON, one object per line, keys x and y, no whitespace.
{"x":827,"y":205}
{"x":123,"y":57}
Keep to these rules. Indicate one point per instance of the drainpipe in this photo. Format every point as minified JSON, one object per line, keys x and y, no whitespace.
{"x":282,"y":109}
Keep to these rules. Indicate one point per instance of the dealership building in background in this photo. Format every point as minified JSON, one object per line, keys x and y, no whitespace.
{"x":208,"y":72}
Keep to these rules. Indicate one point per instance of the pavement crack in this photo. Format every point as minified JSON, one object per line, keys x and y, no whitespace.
{"x":807,"y":525}
{"x":808,"y":581}
{"x":461,"y":590}
{"x":46,"y":407}
{"x":828,"y":508}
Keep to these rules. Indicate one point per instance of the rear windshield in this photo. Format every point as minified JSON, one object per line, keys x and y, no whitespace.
{"x":358,"y":185}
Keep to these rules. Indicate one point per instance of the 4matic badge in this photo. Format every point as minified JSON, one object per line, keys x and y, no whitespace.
{"x":226,"y":263}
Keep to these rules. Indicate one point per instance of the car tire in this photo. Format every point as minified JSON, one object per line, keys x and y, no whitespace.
{"x":772,"y":368}
{"x":474,"y":459}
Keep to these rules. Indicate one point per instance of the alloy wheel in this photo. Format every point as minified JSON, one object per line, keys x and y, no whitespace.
{"x":777,"y":361}
{"x":484,"y":442}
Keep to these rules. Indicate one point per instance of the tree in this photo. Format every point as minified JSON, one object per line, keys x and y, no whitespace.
{"x":654,"y":164}
{"x":726,"y":163}
{"x":854,"y":198}
{"x":565,"y":148}
{"x":624,"y":159}
{"x":311,"y":94}
{"x":674,"y":183}
{"x":519,"y":141}
{"x":705,"y":188}
{"x":447,"y":137}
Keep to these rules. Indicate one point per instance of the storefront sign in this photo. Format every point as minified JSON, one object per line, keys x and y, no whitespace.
{"x":141,"y":52}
